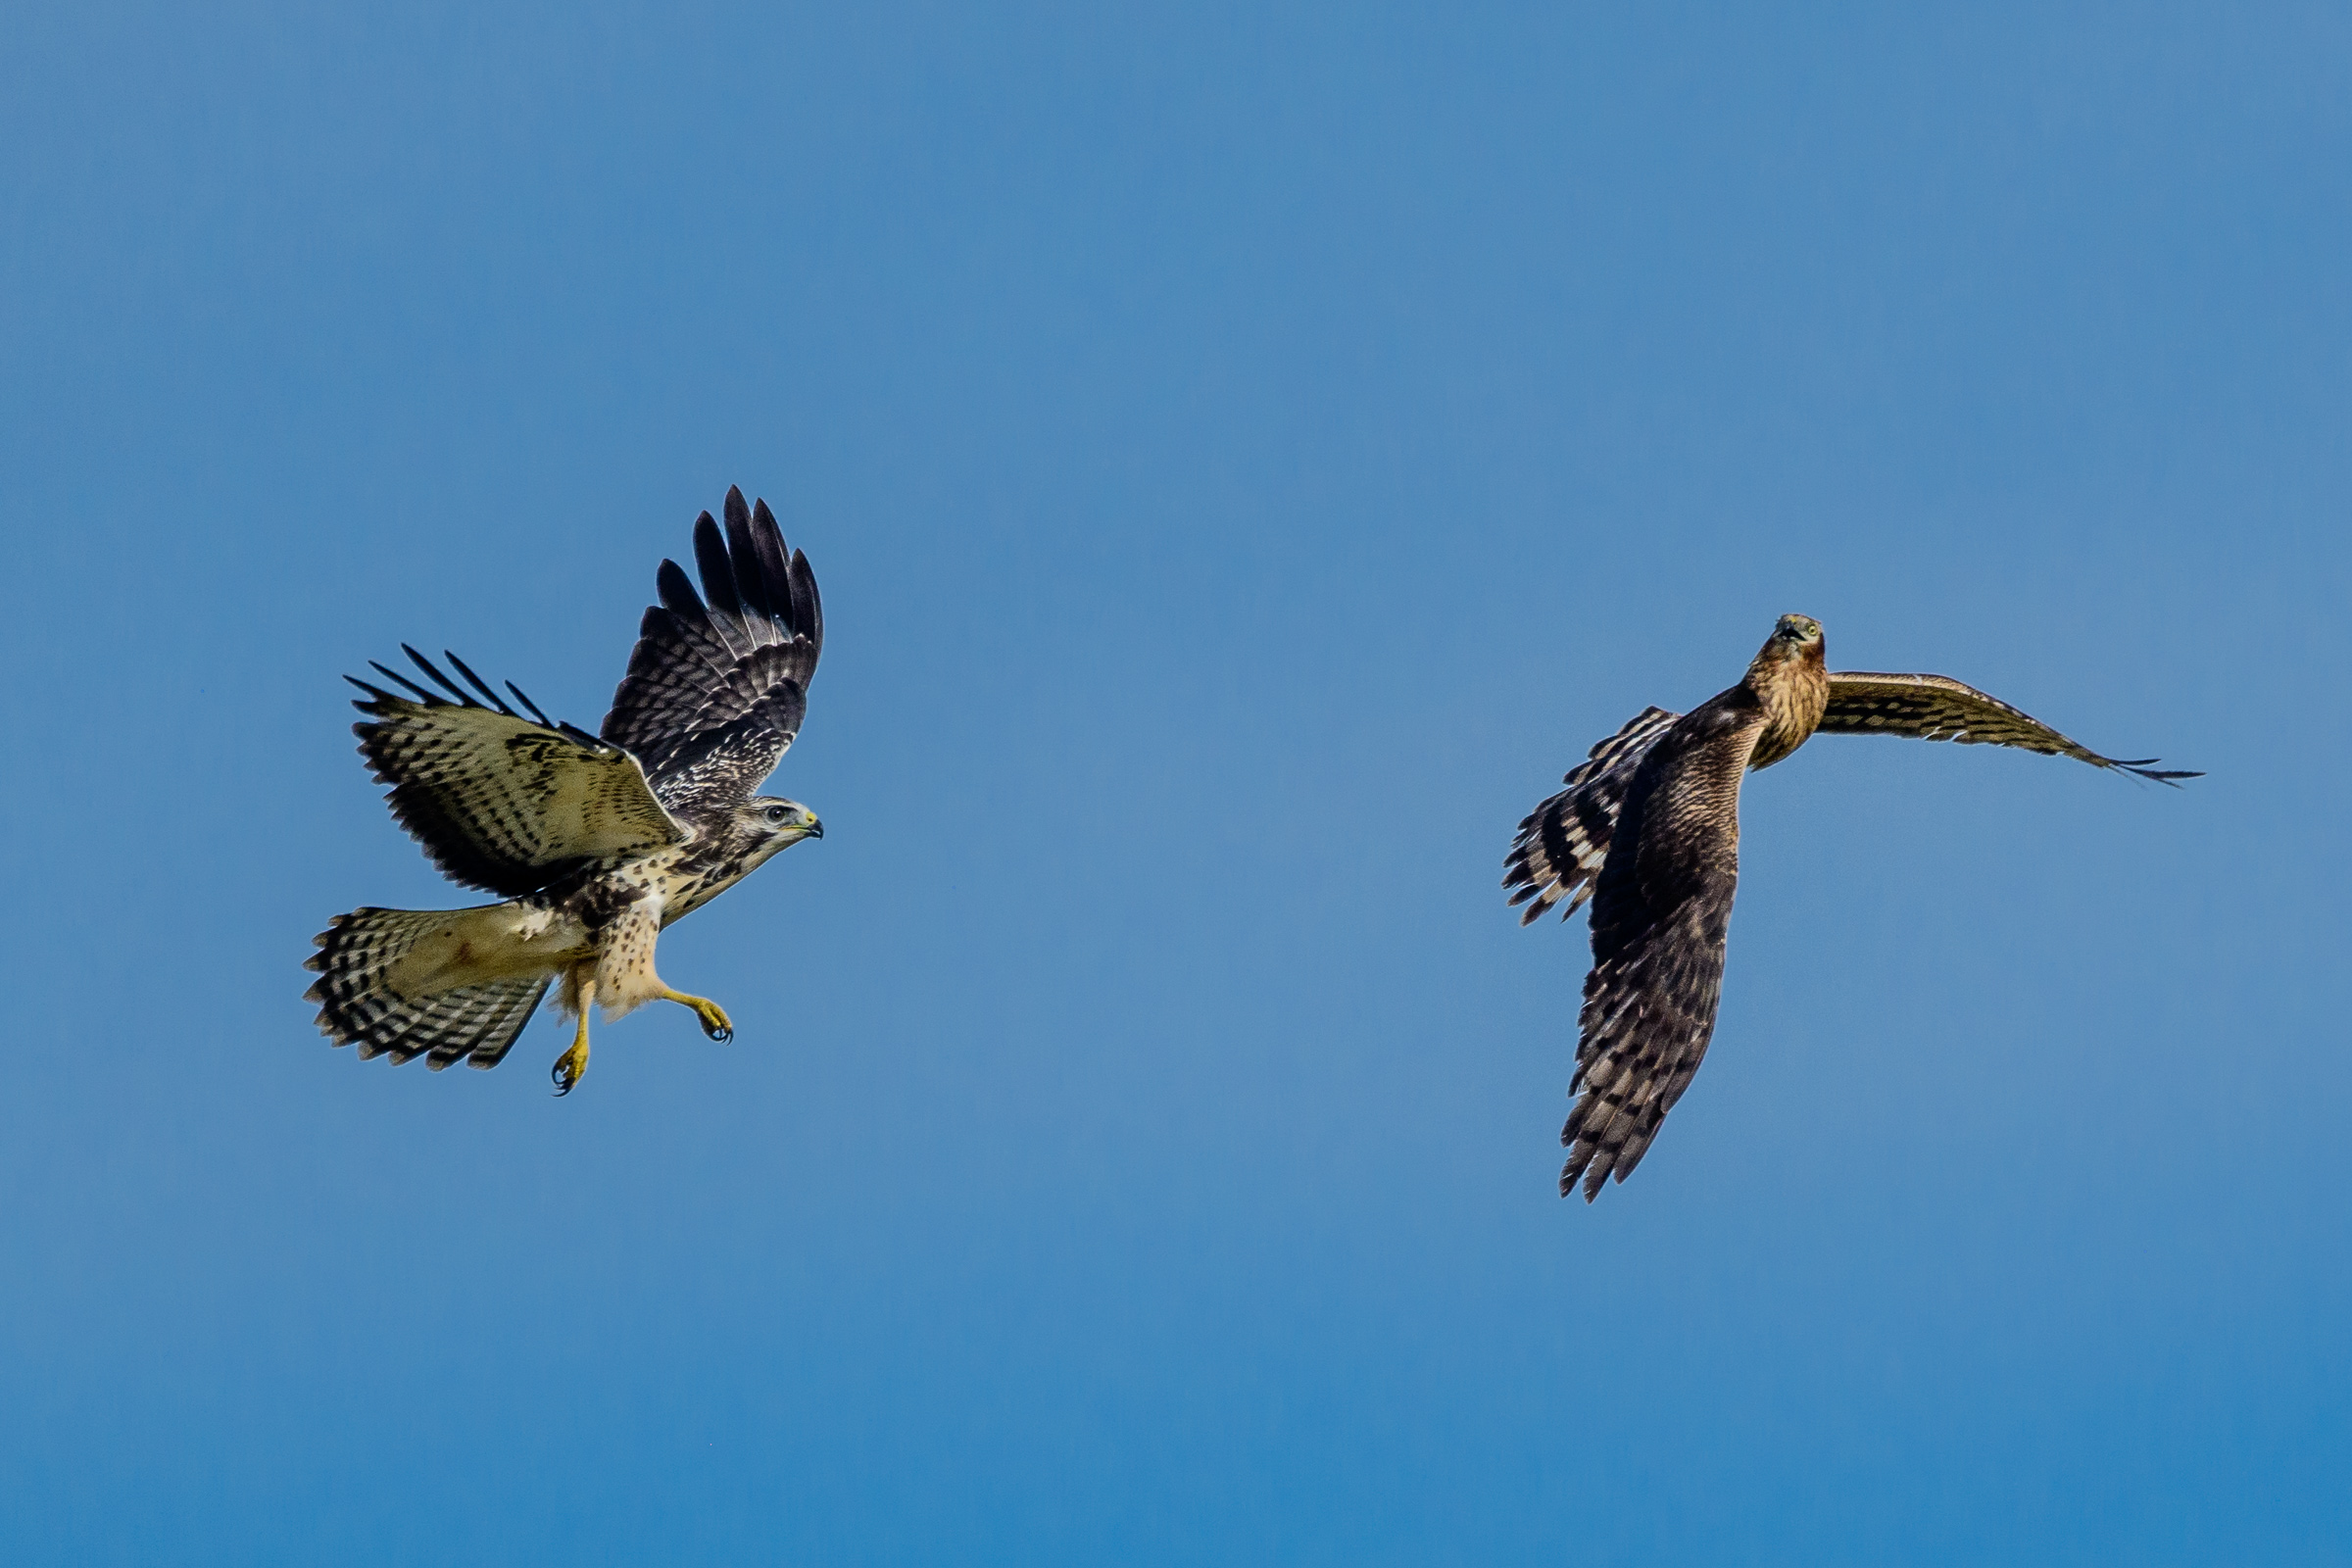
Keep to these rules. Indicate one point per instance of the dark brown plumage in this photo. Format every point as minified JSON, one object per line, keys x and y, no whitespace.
{"x":1649,"y":830}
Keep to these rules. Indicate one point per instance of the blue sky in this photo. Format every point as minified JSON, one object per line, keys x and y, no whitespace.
{"x":1249,"y":453}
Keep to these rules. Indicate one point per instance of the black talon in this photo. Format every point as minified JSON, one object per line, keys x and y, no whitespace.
{"x":722,"y":1035}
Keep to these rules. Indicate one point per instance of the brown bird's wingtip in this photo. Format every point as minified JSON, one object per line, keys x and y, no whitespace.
{"x":2145,"y":767}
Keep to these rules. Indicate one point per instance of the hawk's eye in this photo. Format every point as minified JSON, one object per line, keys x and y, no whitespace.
{"x":775,"y":814}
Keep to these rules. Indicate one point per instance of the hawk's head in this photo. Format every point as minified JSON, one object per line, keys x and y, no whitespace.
{"x":1790,"y":677}
{"x":1795,"y":640}
{"x":767,"y":823}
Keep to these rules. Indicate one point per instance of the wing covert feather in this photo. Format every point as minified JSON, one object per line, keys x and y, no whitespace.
{"x":498,"y":800}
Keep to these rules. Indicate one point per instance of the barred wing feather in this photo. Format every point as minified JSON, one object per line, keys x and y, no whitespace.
{"x":1661,"y":915}
{"x":1647,"y":1016}
{"x":1563,"y":842}
{"x":1938,"y":708}
{"x":718,"y":684}
{"x":499,"y":799}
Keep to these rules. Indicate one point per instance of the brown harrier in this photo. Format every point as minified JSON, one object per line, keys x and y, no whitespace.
{"x":1648,"y":829}
{"x":596,"y":843}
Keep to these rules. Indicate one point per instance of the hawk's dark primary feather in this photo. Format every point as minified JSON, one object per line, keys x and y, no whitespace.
{"x":498,"y":800}
{"x":716,"y":691}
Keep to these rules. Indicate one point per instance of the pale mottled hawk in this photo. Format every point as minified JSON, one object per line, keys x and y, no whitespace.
{"x":597,"y":843}
{"x":1648,"y":829}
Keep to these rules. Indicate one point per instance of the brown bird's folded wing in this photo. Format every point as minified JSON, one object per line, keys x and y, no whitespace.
{"x":1661,"y":911}
{"x":1938,"y":708}
{"x":498,"y":800}
{"x":1562,"y":842}
{"x":716,"y":691}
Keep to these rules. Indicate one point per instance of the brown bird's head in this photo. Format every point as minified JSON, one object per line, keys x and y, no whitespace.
{"x":1796,"y":640}
{"x":1791,"y":678}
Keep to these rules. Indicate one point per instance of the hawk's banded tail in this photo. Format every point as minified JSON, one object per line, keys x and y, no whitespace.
{"x":358,"y":1007}
{"x":1563,"y":843}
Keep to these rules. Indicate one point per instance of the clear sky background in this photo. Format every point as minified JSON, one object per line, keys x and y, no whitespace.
{"x":1248,"y":452}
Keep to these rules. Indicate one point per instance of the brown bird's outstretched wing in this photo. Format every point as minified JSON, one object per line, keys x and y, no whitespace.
{"x":500,"y":801}
{"x":716,"y":691}
{"x":1562,"y":842}
{"x":1661,"y":911}
{"x":1938,"y":708}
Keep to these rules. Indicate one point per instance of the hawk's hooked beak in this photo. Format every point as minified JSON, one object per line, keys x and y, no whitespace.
{"x":815,"y":830}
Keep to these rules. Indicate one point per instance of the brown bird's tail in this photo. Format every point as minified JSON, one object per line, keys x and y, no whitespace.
{"x":1564,"y":842}
{"x":359,"y":1006}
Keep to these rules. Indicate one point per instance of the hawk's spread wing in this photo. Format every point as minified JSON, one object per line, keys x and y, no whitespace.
{"x":716,"y":692}
{"x":1661,"y":911}
{"x":1562,"y":842}
{"x":1938,"y":708}
{"x":500,"y":800}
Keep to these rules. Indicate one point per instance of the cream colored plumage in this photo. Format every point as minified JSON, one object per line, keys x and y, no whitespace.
{"x":600,"y":842}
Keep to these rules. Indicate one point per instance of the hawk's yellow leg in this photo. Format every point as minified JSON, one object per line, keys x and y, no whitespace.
{"x":716,"y":1022}
{"x":572,"y":1066}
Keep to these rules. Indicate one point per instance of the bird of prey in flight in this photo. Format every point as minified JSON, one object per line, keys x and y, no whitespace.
{"x":595,"y":842}
{"x":1648,"y":829}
